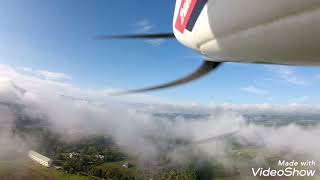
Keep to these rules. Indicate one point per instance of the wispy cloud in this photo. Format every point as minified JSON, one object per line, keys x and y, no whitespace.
{"x":48,"y":75}
{"x":145,"y":26}
{"x":289,"y":75}
{"x":317,"y":76}
{"x":254,"y":90}
{"x":25,"y":69}
{"x":56,"y":76}
{"x":300,"y":99}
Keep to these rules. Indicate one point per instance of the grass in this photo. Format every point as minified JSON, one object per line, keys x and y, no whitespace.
{"x":7,"y":169}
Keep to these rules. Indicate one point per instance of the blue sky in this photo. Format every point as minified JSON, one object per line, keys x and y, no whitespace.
{"x":57,"y":36}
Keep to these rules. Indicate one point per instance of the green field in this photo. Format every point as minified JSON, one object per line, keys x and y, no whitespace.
{"x":55,"y":174}
{"x":15,"y":170}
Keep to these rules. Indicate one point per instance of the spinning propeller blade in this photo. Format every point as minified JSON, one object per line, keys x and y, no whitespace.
{"x":203,"y":70}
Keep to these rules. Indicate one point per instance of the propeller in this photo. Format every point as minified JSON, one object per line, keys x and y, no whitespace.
{"x":138,"y":36}
{"x":204,"y":69}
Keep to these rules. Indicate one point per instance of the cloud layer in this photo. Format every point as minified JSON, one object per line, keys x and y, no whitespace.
{"x":74,"y":112}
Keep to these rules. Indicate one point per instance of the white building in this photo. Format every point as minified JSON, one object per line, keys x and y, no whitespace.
{"x":40,"y":158}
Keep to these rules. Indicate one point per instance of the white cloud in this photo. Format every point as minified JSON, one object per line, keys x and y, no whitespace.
{"x":254,"y":90}
{"x":288,"y":74}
